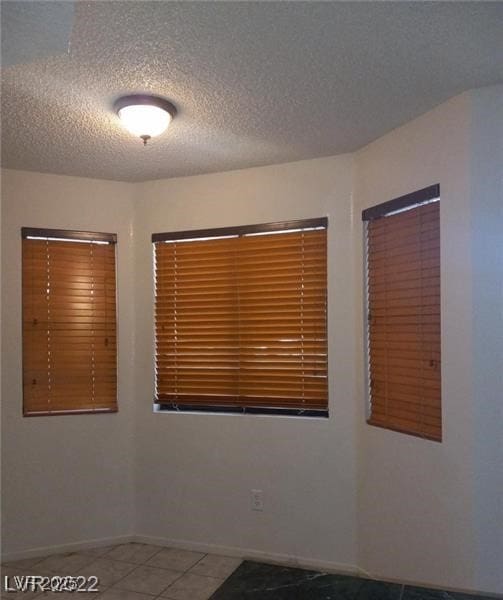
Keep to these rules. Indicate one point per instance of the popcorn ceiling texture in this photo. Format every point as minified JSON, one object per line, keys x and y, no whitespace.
{"x":33,"y":30}
{"x":255,"y":83}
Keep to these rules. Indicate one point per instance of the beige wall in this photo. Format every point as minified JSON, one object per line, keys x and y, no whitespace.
{"x":65,"y":479}
{"x":418,"y":498}
{"x":195,"y":472}
{"x":487,"y":327}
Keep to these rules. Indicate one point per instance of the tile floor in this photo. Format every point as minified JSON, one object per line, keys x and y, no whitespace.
{"x":258,"y":581}
{"x":130,"y":572}
{"x":143,"y":572}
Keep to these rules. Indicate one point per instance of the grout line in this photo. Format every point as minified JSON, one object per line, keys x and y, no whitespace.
{"x":125,"y":562}
{"x":197,"y":562}
{"x":145,"y":564}
{"x":184,"y":573}
{"x":402,"y":592}
{"x":155,"y":553}
{"x":111,"y":585}
{"x":114,"y":586}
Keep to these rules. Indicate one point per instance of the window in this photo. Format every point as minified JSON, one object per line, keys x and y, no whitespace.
{"x":403,"y":301}
{"x":240,"y":319}
{"x":69,"y":323}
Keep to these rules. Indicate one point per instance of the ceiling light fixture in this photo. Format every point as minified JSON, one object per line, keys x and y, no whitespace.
{"x":145,"y":116}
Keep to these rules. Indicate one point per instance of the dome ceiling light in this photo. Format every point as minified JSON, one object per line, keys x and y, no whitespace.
{"x":145,"y":116}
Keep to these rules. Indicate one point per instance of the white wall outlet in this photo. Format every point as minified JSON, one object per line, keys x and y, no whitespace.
{"x":257,"y":499}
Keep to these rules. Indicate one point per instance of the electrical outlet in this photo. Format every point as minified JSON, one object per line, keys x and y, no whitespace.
{"x":257,"y":499}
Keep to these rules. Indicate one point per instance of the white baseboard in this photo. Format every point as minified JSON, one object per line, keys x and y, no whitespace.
{"x":244,"y":553}
{"x":365,"y":574}
{"x":287,"y":560}
{"x":70,"y":547}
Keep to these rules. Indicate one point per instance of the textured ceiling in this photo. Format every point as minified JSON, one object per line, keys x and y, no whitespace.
{"x":255,"y":82}
{"x":32,"y":30}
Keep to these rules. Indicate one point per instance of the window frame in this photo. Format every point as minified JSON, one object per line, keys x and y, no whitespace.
{"x":238,"y":231}
{"x":77,"y":236}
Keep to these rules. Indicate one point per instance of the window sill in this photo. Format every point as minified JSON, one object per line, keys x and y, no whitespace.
{"x":239,"y":410}
{"x":80,"y":411}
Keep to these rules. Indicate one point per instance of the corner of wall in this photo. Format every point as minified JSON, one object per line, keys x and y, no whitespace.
{"x":487,"y":327}
{"x":415,"y":502}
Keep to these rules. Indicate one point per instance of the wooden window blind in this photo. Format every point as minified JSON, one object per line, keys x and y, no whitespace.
{"x":240,"y":318}
{"x":69,"y":322}
{"x":403,"y":287}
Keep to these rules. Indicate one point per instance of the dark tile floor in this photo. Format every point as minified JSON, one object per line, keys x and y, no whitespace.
{"x":257,"y":581}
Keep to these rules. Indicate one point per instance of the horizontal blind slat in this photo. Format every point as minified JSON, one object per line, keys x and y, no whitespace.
{"x":69,"y":326}
{"x":228,"y":312}
{"x":403,"y":288}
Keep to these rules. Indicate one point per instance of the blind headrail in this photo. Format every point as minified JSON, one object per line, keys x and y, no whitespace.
{"x":426,"y":194}
{"x":320,"y":222}
{"x":64,"y":234}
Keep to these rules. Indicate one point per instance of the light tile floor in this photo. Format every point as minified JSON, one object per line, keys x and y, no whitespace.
{"x":129,"y":572}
